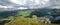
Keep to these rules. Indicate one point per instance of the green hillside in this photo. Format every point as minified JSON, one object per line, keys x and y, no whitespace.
{"x":25,"y":21}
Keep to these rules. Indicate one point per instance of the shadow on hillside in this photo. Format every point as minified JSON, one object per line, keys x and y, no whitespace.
{"x":6,"y":21}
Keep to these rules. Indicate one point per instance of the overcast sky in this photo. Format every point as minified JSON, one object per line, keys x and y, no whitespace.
{"x":24,"y":4}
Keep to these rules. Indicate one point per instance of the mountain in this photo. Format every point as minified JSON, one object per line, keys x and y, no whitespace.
{"x":41,"y":11}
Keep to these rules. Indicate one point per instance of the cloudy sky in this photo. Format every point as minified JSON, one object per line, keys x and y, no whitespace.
{"x":25,"y":4}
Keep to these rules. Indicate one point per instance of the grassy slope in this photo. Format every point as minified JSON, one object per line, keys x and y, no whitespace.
{"x":25,"y":21}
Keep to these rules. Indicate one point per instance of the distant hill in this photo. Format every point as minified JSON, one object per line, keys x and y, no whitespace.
{"x":5,"y":14}
{"x":8,"y":13}
{"x":41,"y":12}
{"x":30,"y":11}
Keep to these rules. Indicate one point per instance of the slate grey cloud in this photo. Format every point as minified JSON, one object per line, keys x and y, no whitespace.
{"x":55,"y":3}
{"x":29,"y":4}
{"x":8,"y":3}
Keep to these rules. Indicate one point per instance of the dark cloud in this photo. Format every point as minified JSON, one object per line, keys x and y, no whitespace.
{"x":54,"y":3}
{"x":8,"y":3}
{"x":15,"y":6}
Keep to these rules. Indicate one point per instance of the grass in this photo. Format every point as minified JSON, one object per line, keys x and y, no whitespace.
{"x":25,"y":21}
{"x":8,"y":18}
